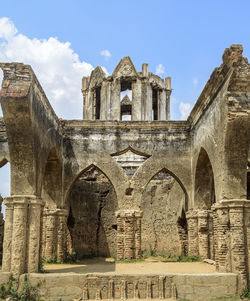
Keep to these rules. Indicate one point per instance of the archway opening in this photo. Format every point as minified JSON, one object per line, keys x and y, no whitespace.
{"x":52,"y":181}
{"x":204,"y":194}
{"x":91,"y":222}
{"x":164,"y":226}
{"x":204,"y":198}
{"x":126,"y":99}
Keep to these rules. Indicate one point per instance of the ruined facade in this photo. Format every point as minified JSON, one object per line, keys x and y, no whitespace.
{"x":125,"y":178}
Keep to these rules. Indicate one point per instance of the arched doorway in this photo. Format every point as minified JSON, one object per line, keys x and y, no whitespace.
{"x":52,"y":181}
{"x":164,"y":227}
{"x":204,"y":198}
{"x":52,"y":243}
{"x":92,"y":204}
{"x":204,"y":194}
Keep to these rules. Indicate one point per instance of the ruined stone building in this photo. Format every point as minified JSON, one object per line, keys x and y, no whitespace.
{"x":127,"y":180}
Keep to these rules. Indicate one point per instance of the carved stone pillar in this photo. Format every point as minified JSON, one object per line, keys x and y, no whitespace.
{"x":238,"y":241}
{"x":192,"y":221}
{"x":162,"y":105}
{"x":115,"y":100}
{"x":215,"y":237}
{"x":51,"y":221}
{"x":129,"y":234}
{"x":103,"y":104}
{"x":43,"y":234}
{"x":18,"y":248}
{"x":223,"y":238}
{"x":120,"y":237}
{"x":203,"y":233}
{"x":7,"y":242}
{"x":138,"y":235}
{"x":148,"y":105}
{"x":61,"y":239}
{"x":34,"y":220}
{"x":137,"y":100}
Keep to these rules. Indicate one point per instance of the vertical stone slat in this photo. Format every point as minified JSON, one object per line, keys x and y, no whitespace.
{"x":120,"y":238}
{"x":138,"y":238}
{"x":34,"y":220}
{"x":238,"y":244}
{"x":115,"y":100}
{"x":7,"y":242}
{"x":18,"y":249}
{"x":50,"y":233}
{"x":192,"y":221}
{"x":203,"y":234}
{"x":61,"y":234}
{"x":222,"y":238}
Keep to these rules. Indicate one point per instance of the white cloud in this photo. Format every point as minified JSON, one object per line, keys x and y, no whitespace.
{"x":55,"y":63}
{"x":185,"y":109}
{"x":7,"y":28}
{"x":195,"y":81}
{"x":106,"y":53}
{"x":160,"y":69}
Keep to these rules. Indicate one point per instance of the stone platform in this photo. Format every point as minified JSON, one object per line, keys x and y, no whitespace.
{"x":98,"y":286}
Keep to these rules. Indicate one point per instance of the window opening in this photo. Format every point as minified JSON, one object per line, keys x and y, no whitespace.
{"x":155,"y":105}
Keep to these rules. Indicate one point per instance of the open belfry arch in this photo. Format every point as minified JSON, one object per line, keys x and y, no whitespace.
{"x":116,"y":186}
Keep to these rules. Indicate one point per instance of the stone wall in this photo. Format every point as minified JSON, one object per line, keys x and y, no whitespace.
{"x":92,"y":221}
{"x":162,"y":205}
{"x":121,"y":287}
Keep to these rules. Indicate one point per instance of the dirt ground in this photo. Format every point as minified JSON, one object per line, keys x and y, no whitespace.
{"x":145,"y":267}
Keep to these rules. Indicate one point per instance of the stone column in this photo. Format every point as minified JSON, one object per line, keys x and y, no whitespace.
{"x":34,"y":220}
{"x":137,"y":100}
{"x":128,"y":236}
{"x":138,"y":216}
{"x":168,"y":93}
{"x":115,"y":100}
{"x":51,"y":219}
{"x":7,"y":242}
{"x":108,"y":100}
{"x":120,"y":237}
{"x":162,"y":105}
{"x":61,"y":238}
{"x":203,"y":234}
{"x":149,"y":96}
{"x":192,"y":222}
{"x":215,"y":237}
{"x":223,"y":238}
{"x":103,"y":104}
{"x":238,"y":242}
{"x":18,"y":249}
{"x":90,"y":105}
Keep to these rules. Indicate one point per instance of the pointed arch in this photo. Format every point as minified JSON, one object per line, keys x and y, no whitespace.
{"x":165,"y":170}
{"x":204,"y":188}
{"x":92,"y":203}
{"x":164,"y":205}
{"x":82,"y":172}
{"x":52,"y":181}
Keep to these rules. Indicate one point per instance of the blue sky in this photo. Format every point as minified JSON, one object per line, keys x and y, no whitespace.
{"x":63,"y":40}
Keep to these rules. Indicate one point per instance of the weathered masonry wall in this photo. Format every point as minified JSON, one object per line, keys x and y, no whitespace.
{"x":167,"y":145}
{"x":208,"y":156}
